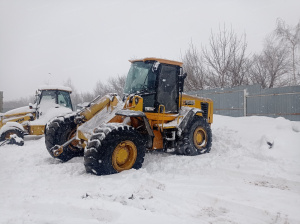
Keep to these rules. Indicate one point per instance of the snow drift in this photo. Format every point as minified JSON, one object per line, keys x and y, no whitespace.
{"x":251,"y":175}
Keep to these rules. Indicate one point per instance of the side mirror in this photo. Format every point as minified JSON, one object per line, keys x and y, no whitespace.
{"x":181,"y":81}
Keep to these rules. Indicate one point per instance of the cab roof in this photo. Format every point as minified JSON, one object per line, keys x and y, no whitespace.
{"x":160,"y":60}
{"x":53,"y":87}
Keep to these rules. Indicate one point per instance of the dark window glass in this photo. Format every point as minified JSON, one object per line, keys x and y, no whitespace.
{"x":168,"y":89}
{"x":64,"y":99}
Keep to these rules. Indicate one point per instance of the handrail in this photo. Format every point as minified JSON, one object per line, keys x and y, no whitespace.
{"x":162,"y":121}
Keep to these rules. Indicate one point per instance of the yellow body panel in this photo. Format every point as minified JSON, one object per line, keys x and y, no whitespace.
{"x":22,"y":119}
{"x":158,"y":140}
{"x":156,"y":117}
{"x":157,"y":120}
{"x":134,"y":103}
{"x":95,"y":108}
{"x":19,"y":118}
{"x":194,"y":101}
{"x":7,"y":116}
{"x":37,"y":129}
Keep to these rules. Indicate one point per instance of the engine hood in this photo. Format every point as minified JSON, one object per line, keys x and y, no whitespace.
{"x":18,"y":112}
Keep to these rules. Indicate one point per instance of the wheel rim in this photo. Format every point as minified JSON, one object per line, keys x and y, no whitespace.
{"x":124,"y":156}
{"x":200,"y":138}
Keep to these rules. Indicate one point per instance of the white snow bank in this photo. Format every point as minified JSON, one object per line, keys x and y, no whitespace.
{"x":242,"y":180}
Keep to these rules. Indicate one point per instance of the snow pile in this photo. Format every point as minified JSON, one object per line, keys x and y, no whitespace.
{"x":251,"y":175}
{"x":52,"y":112}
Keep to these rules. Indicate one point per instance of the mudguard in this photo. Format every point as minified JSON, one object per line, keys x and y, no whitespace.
{"x":131,"y":113}
{"x":187,"y":119}
{"x":10,"y":125}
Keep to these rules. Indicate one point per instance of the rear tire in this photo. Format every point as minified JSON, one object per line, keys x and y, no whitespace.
{"x":196,"y":139}
{"x":7,"y":135}
{"x":58,"y":131}
{"x":113,"y":148}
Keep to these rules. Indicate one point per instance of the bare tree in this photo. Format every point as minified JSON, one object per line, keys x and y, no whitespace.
{"x":258,"y":71}
{"x":86,"y":97}
{"x":269,"y":69}
{"x":13,"y":104}
{"x":226,"y":60}
{"x":116,"y":84}
{"x":194,"y":67}
{"x":290,"y":36}
{"x":100,"y":89}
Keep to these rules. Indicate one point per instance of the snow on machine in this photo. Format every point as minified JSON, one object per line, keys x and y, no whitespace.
{"x":50,"y":101}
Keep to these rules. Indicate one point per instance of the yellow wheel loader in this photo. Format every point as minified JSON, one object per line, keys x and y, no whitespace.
{"x":50,"y":101}
{"x":154,"y":114}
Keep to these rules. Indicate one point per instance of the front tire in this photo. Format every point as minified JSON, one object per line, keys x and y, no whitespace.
{"x":113,"y":148}
{"x":59,"y":131}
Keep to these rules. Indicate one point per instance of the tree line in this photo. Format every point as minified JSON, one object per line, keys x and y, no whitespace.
{"x":224,"y":62}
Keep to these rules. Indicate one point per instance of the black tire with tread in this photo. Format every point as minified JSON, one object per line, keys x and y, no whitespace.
{"x":185,"y":145}
{"x":58,"y":131}
{"x":99,"y":151}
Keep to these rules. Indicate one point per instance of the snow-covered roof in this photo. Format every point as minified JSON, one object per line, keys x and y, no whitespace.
{"x":54,"y":87}
{"x":160,"y":60}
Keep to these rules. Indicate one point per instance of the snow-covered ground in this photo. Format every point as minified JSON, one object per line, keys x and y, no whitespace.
{"x":242,"y":180}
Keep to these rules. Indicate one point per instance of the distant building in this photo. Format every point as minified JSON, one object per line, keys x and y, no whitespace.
{"x":1,"y":101}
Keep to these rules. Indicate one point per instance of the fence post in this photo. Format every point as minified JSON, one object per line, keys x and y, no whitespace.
{"x":245,"y":103}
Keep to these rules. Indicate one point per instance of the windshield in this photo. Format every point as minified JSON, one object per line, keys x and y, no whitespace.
{"x":140,"y":78}
{"x":48,"y":97}
{"x":53,"y":97}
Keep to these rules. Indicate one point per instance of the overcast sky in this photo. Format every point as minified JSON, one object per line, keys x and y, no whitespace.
{"x":91,"y":40}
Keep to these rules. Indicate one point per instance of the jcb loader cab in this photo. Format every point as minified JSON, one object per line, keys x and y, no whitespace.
{"x":50,"y":101}
{"x":154,"y":114}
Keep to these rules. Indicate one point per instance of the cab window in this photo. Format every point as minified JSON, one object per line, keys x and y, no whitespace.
{"x":63,"y":99}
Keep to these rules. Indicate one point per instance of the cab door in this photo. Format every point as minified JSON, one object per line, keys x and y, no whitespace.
{"x":167,"y":91}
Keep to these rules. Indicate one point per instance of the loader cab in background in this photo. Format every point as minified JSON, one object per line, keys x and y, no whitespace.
{"x":51,"y":97}
{"x":156,"y":82}
{"x":50,"y":101}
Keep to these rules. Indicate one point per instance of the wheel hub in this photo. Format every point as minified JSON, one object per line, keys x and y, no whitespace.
{"x":200,"y":138}
{"x":124,"y":156}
